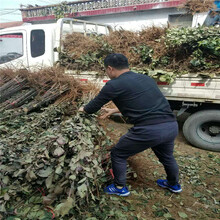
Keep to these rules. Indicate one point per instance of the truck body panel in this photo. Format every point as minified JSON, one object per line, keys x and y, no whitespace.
{"x":193,"y":89}
{"x":187,"y":87}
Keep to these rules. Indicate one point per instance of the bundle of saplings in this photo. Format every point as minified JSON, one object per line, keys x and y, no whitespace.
{"x":162,"y":53}
{"x":53,"y":159}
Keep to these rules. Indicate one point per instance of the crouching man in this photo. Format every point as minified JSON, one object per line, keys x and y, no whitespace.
{"x":139,"y":99}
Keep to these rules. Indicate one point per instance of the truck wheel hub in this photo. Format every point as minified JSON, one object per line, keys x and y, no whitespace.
{"x":214,"y":130}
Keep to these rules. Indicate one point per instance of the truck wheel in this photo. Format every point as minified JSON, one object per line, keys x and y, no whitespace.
{"x":202,"y":129}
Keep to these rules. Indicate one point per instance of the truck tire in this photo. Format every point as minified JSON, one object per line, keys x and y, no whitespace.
{"x":202,"y":129}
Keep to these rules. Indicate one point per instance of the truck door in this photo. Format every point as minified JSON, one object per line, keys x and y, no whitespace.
{"x":37,"y":49}
{"x":13,"y":49}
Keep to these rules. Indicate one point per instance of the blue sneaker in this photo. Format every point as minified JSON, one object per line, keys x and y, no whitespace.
{"x":112,"y":189}
{"x":164,"y":184}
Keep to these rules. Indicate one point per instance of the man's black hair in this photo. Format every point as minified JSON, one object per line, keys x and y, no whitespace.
{"x":116,"y":60}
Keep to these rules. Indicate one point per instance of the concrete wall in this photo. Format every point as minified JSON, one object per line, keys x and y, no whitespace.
{"x":136,"y":20}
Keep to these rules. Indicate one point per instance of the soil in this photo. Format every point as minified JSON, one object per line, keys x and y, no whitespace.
{"x":199,"y":178}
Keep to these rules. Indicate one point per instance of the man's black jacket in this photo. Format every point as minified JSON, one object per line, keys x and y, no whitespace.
{"x":138,"y":98}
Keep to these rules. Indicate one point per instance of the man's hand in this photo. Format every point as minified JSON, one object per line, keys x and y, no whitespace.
{"x":106,"y":112}
{"x":81,"y":109}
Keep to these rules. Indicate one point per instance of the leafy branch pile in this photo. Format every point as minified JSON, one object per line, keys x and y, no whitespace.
{"x":160,"y":52}
{"x":200,"y":46}
{"x":198,"y":6}
{"x":53,"y":161}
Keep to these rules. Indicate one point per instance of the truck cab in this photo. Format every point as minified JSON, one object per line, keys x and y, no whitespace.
{"x":32,"y":46}
{"x":24,"y":46}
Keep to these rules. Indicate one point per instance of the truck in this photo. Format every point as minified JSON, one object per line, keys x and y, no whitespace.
{"x":32,"y":46}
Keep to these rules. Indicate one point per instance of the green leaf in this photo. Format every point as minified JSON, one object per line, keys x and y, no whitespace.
{"x":58,"y":170}
{"x":167,"y":215}
{"x":163,"y":78}
{"x":72,"y":177}
{"x":5,"y":180}
{"x":64,"y":208}
{"x":197,"y":195}
{"x":6,"y":197}
{"x":82,"y":190}
{"x":19,"y":172}
{"x":30,"y":176}
{"x":45,"y":173}
{"x":82,"y":154}
{"x":89,"y":174}
{"x":12,"y":218}
{"x":182,"y":214}
{"x":58,"y":189}
{"x":2,"y":208}
{"x":49,"y":181}
{"x":58,"y":152}
{"x":91,"y":218}
{"x":61,"y":140}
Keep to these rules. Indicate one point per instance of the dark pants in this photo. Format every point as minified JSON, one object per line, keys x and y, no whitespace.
{"x":159,"y":137}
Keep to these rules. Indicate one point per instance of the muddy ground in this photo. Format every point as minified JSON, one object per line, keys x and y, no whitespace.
{"x":199,"y":178}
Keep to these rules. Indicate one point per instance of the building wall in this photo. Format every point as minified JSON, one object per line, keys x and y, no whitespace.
{"x":136,"y":20}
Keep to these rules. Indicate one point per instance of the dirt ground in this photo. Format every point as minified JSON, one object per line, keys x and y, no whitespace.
{"x":199,"y":178}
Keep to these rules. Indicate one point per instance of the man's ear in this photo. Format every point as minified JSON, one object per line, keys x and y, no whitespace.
{"x":110,"y":68}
